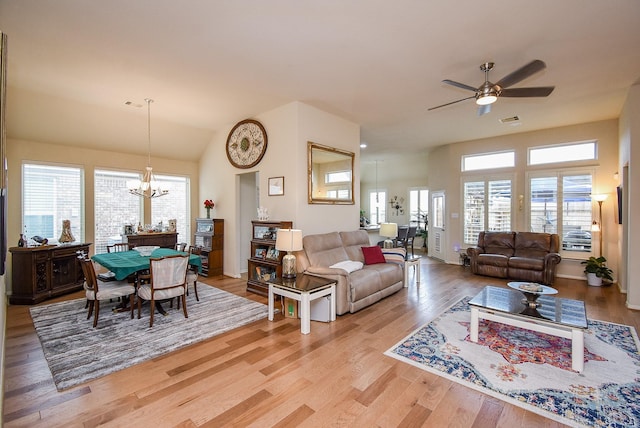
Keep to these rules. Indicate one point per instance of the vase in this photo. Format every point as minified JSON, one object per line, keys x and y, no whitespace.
{"x":594,"y":280}
{"x":208,"y":212}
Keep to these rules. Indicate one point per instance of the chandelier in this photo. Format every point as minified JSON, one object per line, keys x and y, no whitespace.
{"x":148,"y":187}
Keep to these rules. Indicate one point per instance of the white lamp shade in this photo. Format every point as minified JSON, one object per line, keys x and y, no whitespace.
{"x":289,"y":240}
{"x":599,"y":198}
{"x":389,"y":230}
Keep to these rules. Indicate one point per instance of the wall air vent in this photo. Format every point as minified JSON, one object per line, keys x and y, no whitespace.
{"x":132,"y":104}
{"x":510,"y":120}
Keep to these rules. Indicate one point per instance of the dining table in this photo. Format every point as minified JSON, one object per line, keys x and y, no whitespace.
{"x":125,"y":263}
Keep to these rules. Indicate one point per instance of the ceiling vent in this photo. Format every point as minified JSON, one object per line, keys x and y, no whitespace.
{"x":510,"y":120}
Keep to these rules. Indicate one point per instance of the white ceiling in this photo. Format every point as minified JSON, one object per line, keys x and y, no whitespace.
{"x":211,"y":63}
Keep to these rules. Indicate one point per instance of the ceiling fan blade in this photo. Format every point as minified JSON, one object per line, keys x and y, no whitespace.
{"x":522,"y":73}
{"x":452,"y":102}
{"x":459,"y":85}
{"x":541,"y":91}
{"x":482,"y":110}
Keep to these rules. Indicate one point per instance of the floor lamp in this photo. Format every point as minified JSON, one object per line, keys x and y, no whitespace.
{"x":597,"y":226}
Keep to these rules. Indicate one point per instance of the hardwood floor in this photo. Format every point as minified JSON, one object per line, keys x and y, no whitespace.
{"x":268,"y":374}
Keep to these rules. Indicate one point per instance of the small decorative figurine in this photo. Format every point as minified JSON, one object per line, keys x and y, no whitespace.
{"x":66,"y":235}
{"x":263,"y":214}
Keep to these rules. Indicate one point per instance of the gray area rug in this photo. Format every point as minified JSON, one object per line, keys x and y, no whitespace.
{"x":77,"y":353}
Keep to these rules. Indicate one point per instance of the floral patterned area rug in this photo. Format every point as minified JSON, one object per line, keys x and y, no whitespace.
{"x":533,"y":370}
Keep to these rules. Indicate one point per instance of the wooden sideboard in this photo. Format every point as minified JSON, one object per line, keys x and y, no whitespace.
{"x":39,"y":273}
{"x":161,"y":239}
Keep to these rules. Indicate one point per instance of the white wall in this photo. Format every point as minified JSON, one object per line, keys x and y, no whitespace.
{"x":288,"y":128}
{"x":630,"y":155}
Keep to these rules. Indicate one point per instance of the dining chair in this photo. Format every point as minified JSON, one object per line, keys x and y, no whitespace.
{"x":401,"y":239}
{"x":97,"y":290}
{"x":413,"y":230}
{"x":192,"y":272}
{"x":180,"y":246}
{"x":168,"y":276}
{"x":119,"y":247}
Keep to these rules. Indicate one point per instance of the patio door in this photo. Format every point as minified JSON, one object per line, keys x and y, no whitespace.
{"x":437,"y":227}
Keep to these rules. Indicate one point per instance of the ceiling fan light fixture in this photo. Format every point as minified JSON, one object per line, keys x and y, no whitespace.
{"x":484,"y":100}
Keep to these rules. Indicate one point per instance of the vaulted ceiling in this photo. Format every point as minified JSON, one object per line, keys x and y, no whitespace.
{"x":210,"y":63}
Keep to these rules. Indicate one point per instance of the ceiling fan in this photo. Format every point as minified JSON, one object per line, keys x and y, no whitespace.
{"x":489,"y":92}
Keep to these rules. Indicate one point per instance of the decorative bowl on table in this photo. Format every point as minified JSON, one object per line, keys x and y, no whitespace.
{"x":146,"y":250}
{"x":532,"y":291}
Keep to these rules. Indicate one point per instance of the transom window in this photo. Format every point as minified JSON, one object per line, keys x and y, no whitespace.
{"x":488,"y":161}
{"x":562,"y":153}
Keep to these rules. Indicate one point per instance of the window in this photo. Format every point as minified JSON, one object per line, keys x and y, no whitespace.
{"x":337,"y":177}
{"x":562,"y":153}
{"x":174,"y":205}
{"x":418,"y":206}
{"x":114,"y":207}
{"x":51,"y":194}
{"x":377,"y":203}
{"x":487,"y":206}
{"x":488,"y":161}
{"x":561,"y":203}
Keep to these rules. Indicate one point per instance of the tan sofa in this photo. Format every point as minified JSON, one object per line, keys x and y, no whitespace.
{"x":525,"y":256}
{"x":359,"y":288}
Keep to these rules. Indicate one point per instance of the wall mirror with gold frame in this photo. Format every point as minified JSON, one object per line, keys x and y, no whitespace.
{"x":330,"y":175}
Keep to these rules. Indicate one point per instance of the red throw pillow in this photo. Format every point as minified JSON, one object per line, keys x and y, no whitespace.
{"x":373,"y":255}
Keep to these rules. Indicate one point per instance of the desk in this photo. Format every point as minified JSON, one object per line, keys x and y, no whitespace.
{"x":126,"y":263}
{"x":304,"y":289}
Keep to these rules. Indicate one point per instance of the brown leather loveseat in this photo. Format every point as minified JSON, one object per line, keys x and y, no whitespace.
{"x":525,"y":256}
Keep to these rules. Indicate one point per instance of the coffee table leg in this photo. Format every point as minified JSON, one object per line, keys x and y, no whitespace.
{"x":305,"y":313}
{"x":270,"y":302}
{"x":473,"y":327}
{"x":577,"y":350}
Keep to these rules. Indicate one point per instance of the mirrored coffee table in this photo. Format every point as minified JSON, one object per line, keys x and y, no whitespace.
{"x":555,"y":316}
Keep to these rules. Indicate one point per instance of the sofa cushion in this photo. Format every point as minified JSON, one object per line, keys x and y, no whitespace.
{"x":373,"y":255}
{"x":394,"y":255}
{"x":364,"y":282}
{"x":532,"y":245}
{"x":493,"y":260}
{"x":526,"y":263}
{"x":324,"y":249}
{"x":353,"y":241}
{"x":499,"y":243}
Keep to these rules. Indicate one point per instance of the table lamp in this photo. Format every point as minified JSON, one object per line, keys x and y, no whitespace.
{"x":389,"y":231}
{"x":289,"y":240}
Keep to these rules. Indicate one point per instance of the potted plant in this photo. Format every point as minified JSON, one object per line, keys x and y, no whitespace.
{"x":597,"y":270}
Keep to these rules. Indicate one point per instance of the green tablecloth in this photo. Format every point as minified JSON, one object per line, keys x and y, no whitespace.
{"x":125,"y":263}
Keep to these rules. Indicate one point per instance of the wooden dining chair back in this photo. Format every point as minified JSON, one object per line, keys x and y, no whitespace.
{"x":168,"y":276}
{"x":192,"y":273}
{"x":97,"y":290}
{"x":401,"y":239}
{"x":180,"y":246}
{"x":413,"y":230}
{"x":119,"y":247}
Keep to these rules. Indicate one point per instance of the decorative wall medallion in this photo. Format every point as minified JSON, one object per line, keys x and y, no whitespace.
{"x":246,"y":144}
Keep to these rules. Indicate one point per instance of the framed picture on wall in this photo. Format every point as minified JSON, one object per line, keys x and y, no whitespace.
{"x":276,"y":186}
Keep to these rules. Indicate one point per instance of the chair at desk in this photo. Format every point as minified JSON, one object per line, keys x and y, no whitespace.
{"x":409,"y":232}
{"x":402,"y":236}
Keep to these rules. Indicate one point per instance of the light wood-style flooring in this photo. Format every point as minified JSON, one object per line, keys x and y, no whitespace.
{"x":268,"y":374}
